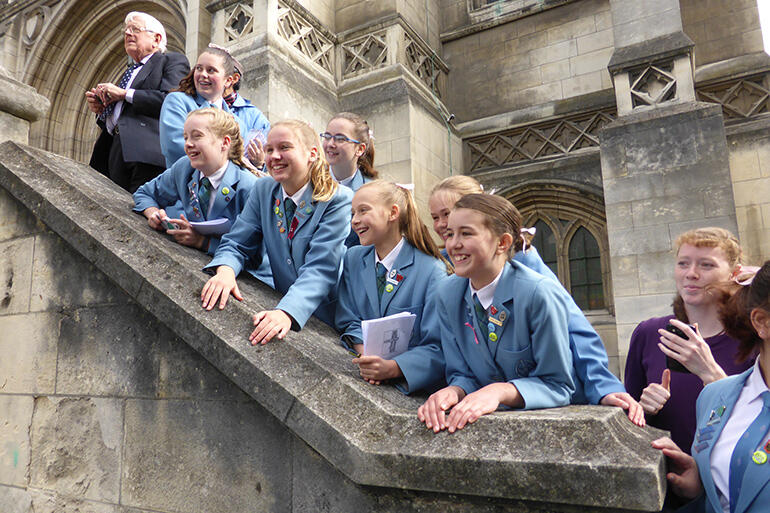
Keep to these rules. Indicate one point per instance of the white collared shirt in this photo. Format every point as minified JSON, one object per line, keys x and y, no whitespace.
{"x":747,"y":407}
{"x":113,"y":120}
{"x":215,"y":179}
{"x":486,"y":294}
{"x":297,"y":196}
{"x":390,"y":258}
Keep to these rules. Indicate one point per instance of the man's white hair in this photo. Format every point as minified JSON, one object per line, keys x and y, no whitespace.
{"x":151,"y":24}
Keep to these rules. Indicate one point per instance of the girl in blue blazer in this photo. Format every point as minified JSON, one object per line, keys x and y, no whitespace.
{"x":202,"y":87}
{"x":301,"y":217}
{"x":729,"y":469}
{"x":595,"y":383}
{"x":392,"y":236}
{"x":349,"y":148}
{"x":503,"y":326}
{"x":214,"y":152}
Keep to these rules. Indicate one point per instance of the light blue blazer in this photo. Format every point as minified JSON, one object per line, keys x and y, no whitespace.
{"x":173,"y":114}
{"x":755,"y":491}
{"x":532,"y":350}
{"x":416,"y":277}
{"x":305,"y":268}
{"x":358,"y":180}
{"x":177,"y":187}
{"x":588,"y":352}
{"x":250,"y":115}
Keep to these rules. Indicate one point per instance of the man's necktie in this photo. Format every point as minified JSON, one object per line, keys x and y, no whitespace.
{"x":109,"y":109}
{"x":204,"y":195}
{"x":481,"y":316}
{"x":745,"y":448}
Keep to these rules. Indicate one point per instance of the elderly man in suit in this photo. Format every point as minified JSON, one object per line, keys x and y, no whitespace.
{"x":128,"y":148}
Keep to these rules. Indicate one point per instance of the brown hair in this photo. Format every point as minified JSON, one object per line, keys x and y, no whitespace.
{"x":324,"y":186}
{"x":187,"y":84}
{"x":361,"y":133}
{"x":223,"y":124}
{"x":460,"y":185}
{"x":735,"y":313}
{"x":500,"y":216}
{"x":708,"y":237}
{"x":409,"y":221}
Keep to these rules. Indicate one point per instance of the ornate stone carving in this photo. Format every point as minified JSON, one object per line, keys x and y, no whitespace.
{"x":34,"y":22}
{"x":304,"y":37}
{"x":365,"y":54}
{"x":239,"y":22}
{"x":538,"y":141}
{"x":653,"y":85}
{"x":422,"y":64}
{"x":740,"y":98}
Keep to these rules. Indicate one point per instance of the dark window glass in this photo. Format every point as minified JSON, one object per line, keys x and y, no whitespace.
{"x":585,"y":271}
{"x":545,"y":243}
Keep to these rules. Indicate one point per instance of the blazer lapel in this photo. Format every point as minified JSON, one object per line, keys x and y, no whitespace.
{"x":725,"y":402}
{"x":144,"y":71}
{"x":370,"y":280}
{"x":192,"y":191}
{"x":499,"y":313}
{"x":396,"y":276}
{"x":305,"y":208}
{"x":225,"y":193}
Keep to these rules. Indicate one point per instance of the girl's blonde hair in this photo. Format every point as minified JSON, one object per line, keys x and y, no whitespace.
{"x":324,"y":186}
{"x":708,"y":237}
{"x":409,"y":222}
{"x":223,"y":124}
{"x":459,"y":185}
{"x":362,"y":133}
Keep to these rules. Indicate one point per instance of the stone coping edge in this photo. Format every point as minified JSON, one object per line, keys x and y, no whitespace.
{"x":583,"y":455}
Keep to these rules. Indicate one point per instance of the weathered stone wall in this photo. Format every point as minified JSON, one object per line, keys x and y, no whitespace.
{"x":560,"y":53}
{"x":109,"y":405}
{"x":749,"y":146}
{"x":721,"y":29}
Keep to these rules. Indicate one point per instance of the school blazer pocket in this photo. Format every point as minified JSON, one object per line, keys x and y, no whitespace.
{"x":516,"y":364}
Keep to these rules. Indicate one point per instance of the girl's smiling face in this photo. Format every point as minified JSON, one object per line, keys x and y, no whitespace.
{"x":287,"y":158}
{"x":210,"y":77}
{"x":342,"y":153}
{"x":207,"y":153}
{"x":440,"y":205}
{"x":371,"y":217}
{"x":477,"y":253}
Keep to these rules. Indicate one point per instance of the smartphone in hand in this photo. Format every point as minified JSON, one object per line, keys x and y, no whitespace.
{"x":672,"y":364}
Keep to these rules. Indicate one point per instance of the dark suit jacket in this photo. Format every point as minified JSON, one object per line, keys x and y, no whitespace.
{"x":138,"y":121}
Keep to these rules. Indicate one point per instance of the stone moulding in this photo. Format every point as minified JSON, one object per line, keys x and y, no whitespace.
{"x":303,"y":36}
{"x":555,"y":138}
{"x":553,"y":459}
{"x":741,"y":98}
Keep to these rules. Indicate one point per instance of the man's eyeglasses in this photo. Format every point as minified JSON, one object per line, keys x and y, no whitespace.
{"x":338,"y":138}
{"x":137,"y":30}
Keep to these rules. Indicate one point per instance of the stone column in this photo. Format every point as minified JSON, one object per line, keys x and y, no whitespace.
{"x":664,"y":161}
{"x":309,"y":61}
{"x":20,"y":105}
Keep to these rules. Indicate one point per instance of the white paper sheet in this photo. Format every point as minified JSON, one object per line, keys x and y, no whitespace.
{"x":214,"y":227}
{"x":389,"y":336}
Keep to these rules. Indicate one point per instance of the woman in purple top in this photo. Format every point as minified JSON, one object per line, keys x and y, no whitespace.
{"x":704,"y":257}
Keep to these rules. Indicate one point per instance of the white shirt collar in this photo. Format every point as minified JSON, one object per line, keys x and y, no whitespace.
{"x":215,"y":178}
{"x":346,"y":182}
{"x":390,"y":258}
{"x":486,"y":294}
{"x":755,"y":384}
{"x":297,"y":195}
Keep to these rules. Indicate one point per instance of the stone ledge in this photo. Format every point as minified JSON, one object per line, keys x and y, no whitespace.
{"x":20,"y":99}
{"x":588,"y":456}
